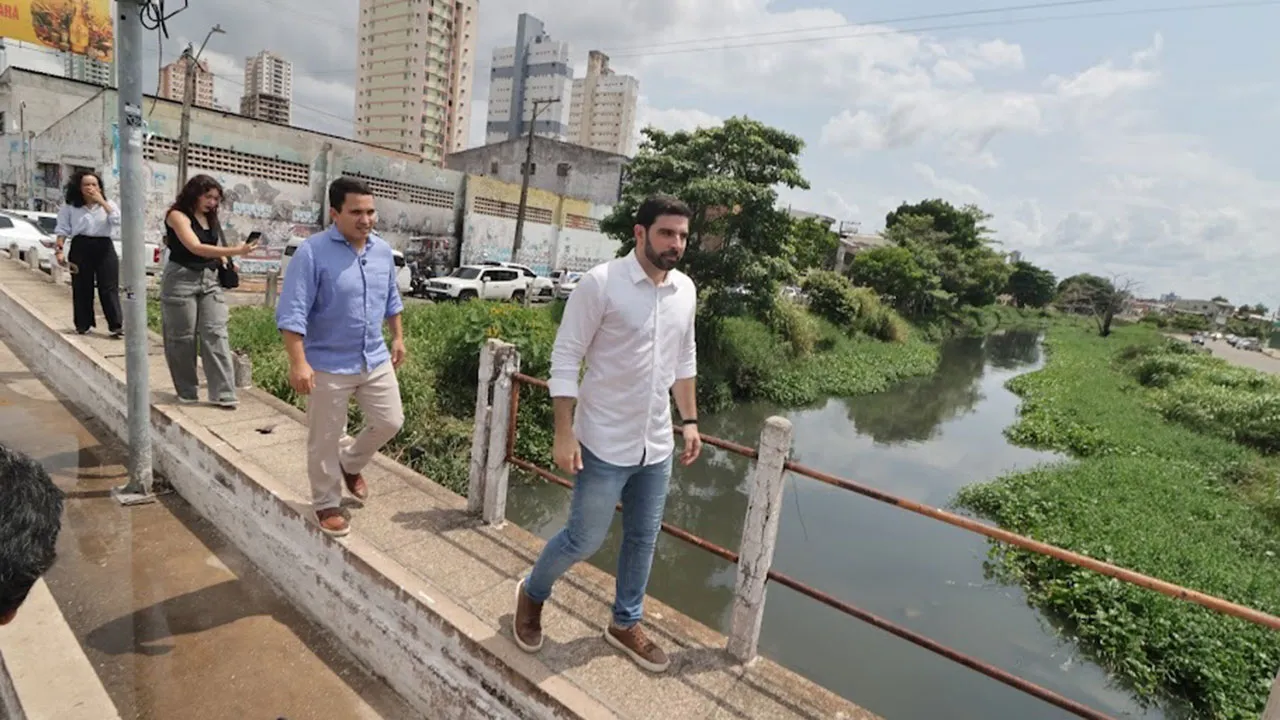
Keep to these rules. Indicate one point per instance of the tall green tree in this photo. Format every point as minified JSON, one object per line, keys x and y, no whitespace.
{"x":728,"y":175}
{"x":898,"y":276}
{"x":1096,"y":297}
{"x":954,"y":244}
{"x":813,"y":245}
{"x":1031,"y":286}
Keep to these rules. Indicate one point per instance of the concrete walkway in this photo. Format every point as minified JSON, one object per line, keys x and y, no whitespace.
{"x":425,"y":529}
{"x":155,"y":604}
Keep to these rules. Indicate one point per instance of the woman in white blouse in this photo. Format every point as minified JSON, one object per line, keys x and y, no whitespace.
{"x":90,"y":222}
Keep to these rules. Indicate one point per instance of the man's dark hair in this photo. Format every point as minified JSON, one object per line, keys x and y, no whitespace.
{"x":342,"y":187}
{"x":30,"y":519}
{"x":73,"y":194}
{"x":655,"y":206}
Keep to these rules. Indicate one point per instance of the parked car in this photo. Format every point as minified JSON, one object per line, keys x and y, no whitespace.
{"x":538,"y":286}
{"x":486,"y":282}
{"x":29,"y":238}
{"x":46,"y":221}
{"x":568,"y":282}
{"x":404,"y":274}
{"x":1198,"y":338}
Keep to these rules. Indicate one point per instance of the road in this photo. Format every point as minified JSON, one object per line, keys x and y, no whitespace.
{"x":1244,"y":358}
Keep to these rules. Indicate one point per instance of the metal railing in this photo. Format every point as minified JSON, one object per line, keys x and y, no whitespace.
{"x":493,"y":454}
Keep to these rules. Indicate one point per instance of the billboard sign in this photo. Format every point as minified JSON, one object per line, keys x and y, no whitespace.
{"x":83,"y":27}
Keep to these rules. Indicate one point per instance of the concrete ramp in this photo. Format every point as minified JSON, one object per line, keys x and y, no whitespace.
{"x":420,"y":592}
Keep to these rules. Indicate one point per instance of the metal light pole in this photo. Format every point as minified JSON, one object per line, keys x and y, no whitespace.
{"x":191,"y":62}
{"x":132,"y":206}
{"x":524,"y":182}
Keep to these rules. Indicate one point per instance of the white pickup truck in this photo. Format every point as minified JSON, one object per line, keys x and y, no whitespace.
{"x":479,"y":282}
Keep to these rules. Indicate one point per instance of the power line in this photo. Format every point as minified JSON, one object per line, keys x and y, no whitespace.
{"x":643,"y":52}
{"x":862,"y":23}
{"x":963,"y":26}
{"x":347,"y":120}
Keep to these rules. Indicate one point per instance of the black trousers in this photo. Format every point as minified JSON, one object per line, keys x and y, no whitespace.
{"x":95,"y":262}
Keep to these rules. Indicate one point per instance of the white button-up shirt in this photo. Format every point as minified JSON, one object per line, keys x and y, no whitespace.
{"x":637,"y":339}
{"x":91,"y":221}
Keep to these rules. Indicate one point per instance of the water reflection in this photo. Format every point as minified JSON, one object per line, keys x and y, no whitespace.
{"x":923,"y":440}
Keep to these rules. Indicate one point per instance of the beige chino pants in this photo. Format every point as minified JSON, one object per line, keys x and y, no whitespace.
{"x":330,"y":451}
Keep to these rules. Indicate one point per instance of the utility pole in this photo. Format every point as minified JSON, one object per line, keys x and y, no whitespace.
{"x":133,"y":203}
{"x":524,"y":190}
{"x":26,"y":154}
{"x":191,"y":63}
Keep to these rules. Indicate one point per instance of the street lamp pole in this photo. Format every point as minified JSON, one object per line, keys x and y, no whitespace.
{"x":190,"y":62}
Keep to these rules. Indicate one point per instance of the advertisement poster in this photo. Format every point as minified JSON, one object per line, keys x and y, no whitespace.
{"x":82,"y":27}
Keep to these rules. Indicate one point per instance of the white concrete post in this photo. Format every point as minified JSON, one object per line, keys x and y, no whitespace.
{"x":243,"y":369}
{"x":506,"y":364}
{"x":272,"y":294}
{"x":14,"y":253}
{"x":480,"y":434}
{"x":1272,"y":711}
{"x":58,"y":273}
{"x":33,"y":259}
{"x":759,"y":534}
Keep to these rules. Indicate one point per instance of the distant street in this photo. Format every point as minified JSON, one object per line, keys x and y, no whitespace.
{"x":1244,"y":358}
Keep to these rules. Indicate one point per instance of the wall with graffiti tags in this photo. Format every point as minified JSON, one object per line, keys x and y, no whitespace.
{"x":552,"y":224}
{"x":275,"y":178}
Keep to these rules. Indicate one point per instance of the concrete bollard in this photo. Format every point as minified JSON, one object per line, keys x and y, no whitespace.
{"x":272,"y":292}
{"x":13,"y":252}
{"x":244,"y":370}
{"x":759,"y":535}
{"x":58,"y":273}
{"x":33,"y":259}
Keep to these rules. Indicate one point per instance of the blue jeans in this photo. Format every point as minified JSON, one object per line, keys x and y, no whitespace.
{"x":599,"y":486}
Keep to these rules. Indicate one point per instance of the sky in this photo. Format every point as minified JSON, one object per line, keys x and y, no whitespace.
{"x":1119,"y":138}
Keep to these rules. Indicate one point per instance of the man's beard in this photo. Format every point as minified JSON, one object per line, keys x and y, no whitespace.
{"x":665,"y":261}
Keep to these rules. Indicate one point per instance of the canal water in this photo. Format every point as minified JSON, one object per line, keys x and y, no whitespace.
{"x":923,"y":440}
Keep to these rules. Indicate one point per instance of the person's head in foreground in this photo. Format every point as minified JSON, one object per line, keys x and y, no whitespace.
{"x":352,"y":209}
{"x":30,"y":519}
{"x":662,"y":229}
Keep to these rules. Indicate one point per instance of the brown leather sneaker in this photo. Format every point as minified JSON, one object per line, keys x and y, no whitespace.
{"x":635,"y":642}
{"x":332,"y":522}
{"x":526,"y":625}
{"x":356,"y":485}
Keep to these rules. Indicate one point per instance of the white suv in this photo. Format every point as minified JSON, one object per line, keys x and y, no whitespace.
{"x":539,"y":287}
{"x":484,"y":282}
{"x":28,"y":237}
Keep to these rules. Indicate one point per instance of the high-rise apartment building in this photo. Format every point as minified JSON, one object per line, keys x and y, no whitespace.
{"x":173,"y":82}
{"x":86,"y":69}
{"x":603,"y":114}
{"x":416,"y":69}
{"x":268,"y":88}
{"x":536,"y":68}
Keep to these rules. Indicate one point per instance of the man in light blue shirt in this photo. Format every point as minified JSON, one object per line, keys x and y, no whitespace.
{"x":339,"y":289}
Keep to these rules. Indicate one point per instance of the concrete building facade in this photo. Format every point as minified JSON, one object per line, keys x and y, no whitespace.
{"x":536,"y":68}
{"x":173,"y":79}
{"x":416,"y":69}
{"x":603,"y":111}
{"x":558,"y":167}
{"x":86,"y":69}
{"x":268,"y":88}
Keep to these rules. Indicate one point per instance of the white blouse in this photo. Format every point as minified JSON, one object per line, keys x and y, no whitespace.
{"x":94,"y":221}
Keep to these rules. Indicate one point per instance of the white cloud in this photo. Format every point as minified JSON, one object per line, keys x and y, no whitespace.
{"x":956,"y":192}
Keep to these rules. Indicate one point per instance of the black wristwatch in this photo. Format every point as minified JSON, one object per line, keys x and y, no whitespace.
{"x":689,"y":421}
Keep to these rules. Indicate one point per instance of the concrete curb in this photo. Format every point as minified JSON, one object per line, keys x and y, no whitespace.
{"x":44,"y":672}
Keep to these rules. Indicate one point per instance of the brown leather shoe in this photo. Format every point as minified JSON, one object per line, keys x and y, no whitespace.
{"x":527,"y":622}
{"x":635,"y":642}
{"x":356,"y":485}
{"x":332,"y":522}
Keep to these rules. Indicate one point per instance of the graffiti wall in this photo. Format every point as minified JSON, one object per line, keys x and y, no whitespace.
{"x":489,"y":224}
{"x":580,"y":245}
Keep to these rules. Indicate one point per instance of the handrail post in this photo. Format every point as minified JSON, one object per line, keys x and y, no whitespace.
{"x":480,"y":434}
{"x":1272,"y":711}
{"x":506,"y":361}
{"x":759,"y":535}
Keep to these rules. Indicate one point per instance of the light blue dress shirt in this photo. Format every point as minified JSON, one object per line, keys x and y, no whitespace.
{"x":337,"y":299}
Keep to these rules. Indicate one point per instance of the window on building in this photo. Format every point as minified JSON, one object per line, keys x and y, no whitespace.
{"x":562,"y":170}
{"x":493,"y":168}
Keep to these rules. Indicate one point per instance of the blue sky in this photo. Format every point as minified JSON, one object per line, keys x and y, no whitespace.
{"x":1136,"y":145}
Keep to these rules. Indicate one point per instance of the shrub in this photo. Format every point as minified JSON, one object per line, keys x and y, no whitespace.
{"x":795,"y":325}
{"x":833,"y":298}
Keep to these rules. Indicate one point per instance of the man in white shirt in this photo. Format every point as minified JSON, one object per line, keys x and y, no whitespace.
{"x":632,"y":320}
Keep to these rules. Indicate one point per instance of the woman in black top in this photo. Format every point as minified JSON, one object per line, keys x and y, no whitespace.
{"x":191,"y":298}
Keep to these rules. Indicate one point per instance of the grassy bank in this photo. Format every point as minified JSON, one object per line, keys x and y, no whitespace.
{"x":741,"y":359}
{"x":1160,"y":485}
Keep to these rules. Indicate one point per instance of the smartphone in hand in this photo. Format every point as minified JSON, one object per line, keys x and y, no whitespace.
{"x":254,"y":238}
